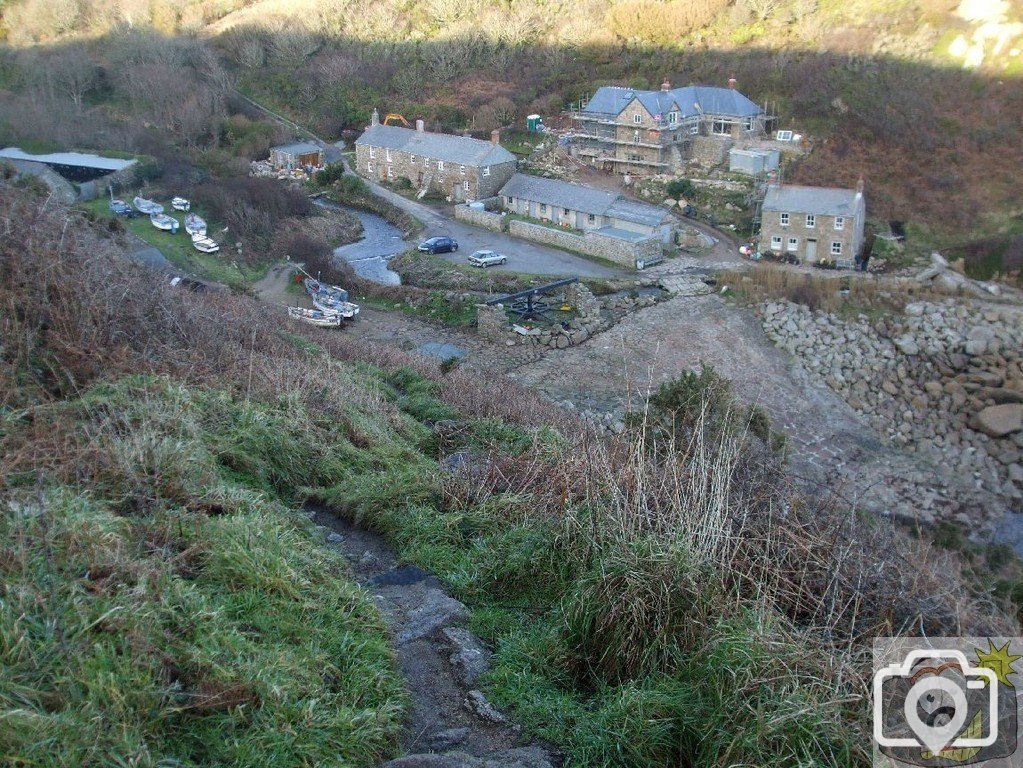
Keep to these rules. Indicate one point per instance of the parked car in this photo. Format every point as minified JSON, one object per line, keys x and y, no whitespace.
{"x":438,"y":245}
{"x":487,"y":258}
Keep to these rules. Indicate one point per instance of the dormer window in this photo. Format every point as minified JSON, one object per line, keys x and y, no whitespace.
{"x":672,"y":118}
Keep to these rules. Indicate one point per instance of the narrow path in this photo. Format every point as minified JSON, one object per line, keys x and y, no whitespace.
{"x":449,"y":723}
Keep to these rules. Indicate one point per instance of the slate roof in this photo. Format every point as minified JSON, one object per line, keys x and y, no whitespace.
{"x":690,"y":100}
{"x":579,"y":197}
{"x":823,"y":201}
{"x":436,"y":146}
{"x":76,"y":159}
{"x":301,"y":148}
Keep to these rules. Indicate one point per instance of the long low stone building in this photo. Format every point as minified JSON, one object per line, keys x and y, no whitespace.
{"x":587,"y":209}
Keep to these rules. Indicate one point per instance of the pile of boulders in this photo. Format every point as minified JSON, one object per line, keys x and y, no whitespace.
{"x":944,"y":379}
{"x":948,"y":278}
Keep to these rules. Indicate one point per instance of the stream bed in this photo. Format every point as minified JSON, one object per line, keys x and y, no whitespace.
{"x":380,"y":241}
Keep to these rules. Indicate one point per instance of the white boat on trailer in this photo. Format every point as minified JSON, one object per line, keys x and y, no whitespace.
{"x":180,"y":204}
{"x":164,"y":222}
{"x":316,"y":317}
{"x":195,"y":225}
{"x":146,"y":206}
{"x":205,"y":244}
{"x":331,"y":298}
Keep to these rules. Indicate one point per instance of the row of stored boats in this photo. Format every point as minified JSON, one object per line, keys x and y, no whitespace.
{"x":331,"y":305}
{"x":195,"y":226}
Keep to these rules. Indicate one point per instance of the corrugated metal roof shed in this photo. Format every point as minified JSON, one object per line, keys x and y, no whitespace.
{"x":823,"y":201}
{"x":301,"y":148}
{"x":436,"y":146}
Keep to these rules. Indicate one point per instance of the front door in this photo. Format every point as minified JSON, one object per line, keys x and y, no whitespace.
{"x":811,"y":250}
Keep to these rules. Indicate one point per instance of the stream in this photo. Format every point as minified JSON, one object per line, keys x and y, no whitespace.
{"x":380,"y":241}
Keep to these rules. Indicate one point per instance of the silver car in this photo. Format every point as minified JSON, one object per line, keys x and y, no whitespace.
{"x":487,"y":258}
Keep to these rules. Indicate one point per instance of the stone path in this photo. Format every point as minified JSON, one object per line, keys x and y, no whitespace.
{"x":449,"y":723}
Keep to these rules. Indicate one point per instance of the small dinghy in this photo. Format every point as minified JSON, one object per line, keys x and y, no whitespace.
{"x":205,"y":244}
{"x":315,"y":317}
{"x":194,"y":225}
{"x":146,"y":206}
{"x":180,"y":204}
{"x":120,"y":207}
{"x":164,"y":222}
{"x":331,"y":298}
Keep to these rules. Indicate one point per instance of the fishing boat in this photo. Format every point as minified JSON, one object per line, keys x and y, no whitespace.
{"x":120,"y":207}
{"x":146,"y":206}
{"x":205,"y":244}
{"x":194,"y":225}
{"x":315,"y":317}
{"x":180,"y":204}
{"x":332,"y":298}
{"x":164,"y":222}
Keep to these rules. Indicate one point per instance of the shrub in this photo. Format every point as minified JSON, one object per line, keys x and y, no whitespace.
{"x":681,"y":188}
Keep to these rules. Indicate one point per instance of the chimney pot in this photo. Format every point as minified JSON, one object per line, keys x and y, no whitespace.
{"x":420,"y":126}
{"x":731,"y":83}
{"x":495,"y":137}
{"x":375,"y":119}
{"x":666,"y":85}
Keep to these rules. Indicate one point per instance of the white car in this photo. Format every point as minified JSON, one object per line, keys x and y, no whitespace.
{"x":487,"y":258}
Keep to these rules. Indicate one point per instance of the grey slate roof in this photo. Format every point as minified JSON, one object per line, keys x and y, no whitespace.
{"x":623,"y":234}
{"x":579,"y":197}
{"x":823,"y":201}
{"x":301,"y":148}
{"x":436,"y":146}
{"x":690,"y":100}
{"x":77,"y":159}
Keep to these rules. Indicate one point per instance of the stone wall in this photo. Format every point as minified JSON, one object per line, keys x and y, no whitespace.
{"x":944,"y":380}
{"x":459,"y":182}
{"x":622,"y":252}
{"x":710,"y":150}
{"x":495,"y":222}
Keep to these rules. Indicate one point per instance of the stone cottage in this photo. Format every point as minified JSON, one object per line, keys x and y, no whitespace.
{"x":813,"y":223}
{"x":584,"y":208}
{"x":458,"y":167}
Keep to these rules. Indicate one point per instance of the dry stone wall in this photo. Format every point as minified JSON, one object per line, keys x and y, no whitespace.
{"x":484,"y":219}
{"x":613,"y":249}
{"x":944,"y":380}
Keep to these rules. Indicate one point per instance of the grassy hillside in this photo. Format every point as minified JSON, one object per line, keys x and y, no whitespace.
{"x":649,"y":599}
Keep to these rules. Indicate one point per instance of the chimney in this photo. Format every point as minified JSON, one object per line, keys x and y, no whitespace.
{"x":666,"y":85}
{"x":731,"y":83}
{"x":375,"y":119}
{"x":495,"y":137}
{"x":420,"y":126}
{"x":859,"y":187}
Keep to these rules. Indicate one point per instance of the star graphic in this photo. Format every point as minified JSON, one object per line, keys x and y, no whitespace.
{"x":999,"y":661}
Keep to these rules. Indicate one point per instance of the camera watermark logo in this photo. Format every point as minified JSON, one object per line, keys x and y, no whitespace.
{"x":946,"y":701}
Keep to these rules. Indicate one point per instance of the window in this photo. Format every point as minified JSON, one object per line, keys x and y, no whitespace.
{"x":672,"y":118}
{"x":793,"y":244}
{"x":387,"y":153}
{"x":749,"y":123}
{"x":412,"y":159}
{"x":839,"y":223}
{"x":372,"y":152}
{"x":836,"y":248}
{"x":676,"y":136}
{"x":543,"y":207}
{"x":637,"y":119}
{"x":784,"y":219}
{"x":369,"y":167}
{"x":465,"y":185}
{"x":486,"y":171}
{"x":461,"y":169}
{"x":390,"y":172}
{"x":721,"y":128}
{"x":694,"y":129}
{"x":811,"y":220}
{"x":440,"y":165}
{"x":591,"y":218}
{"x":776,"y":243}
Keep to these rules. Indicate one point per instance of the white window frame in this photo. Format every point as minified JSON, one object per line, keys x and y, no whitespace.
{"x":440,"y":165}
{"x":637,"y":119}
{"x":776,"y":243}
{"x":793,"y":245}
{"x":486,"y":171}
{"x":461,"y":169}
{"x":694,"y":130}
{"x":465,"y":185}
{"x":390,"y":171}
{"x":839,"y":223}
{"x":412,"y":159}
{"x":543,"y":208}
{"x":836,"y":247}
{"x":673,"y":118}
{"x":725,"y":127}
{"x":372,"y":152}
{"x":591,"y":218}
{"x":369,"y":167}
{"x":811,"y":221}
{"x":783,"y":219}
{"x":387,"y":155}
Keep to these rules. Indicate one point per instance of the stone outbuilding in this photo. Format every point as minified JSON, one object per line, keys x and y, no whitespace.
{"x":577,"y":206}
{"x":813,"y":223}
{"x":290,"y":157}
{"x":458,"y":167}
